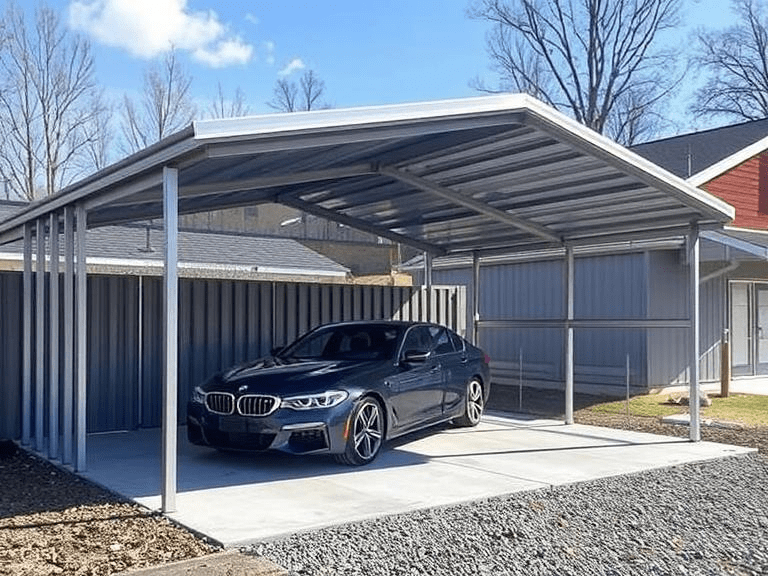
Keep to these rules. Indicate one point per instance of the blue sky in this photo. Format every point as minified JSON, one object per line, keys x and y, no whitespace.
{"x":367,"y":51}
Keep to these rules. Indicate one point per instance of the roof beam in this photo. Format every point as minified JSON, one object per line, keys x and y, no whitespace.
{"x":262,"y":182}
{"x":358,"y":224}
{"x":468,"y":202}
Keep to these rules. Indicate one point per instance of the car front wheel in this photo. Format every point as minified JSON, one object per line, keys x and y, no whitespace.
{"x":473,"y":404}
{"x":365,"y":433}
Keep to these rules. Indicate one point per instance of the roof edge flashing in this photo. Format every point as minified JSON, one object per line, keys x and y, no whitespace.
{"x":366,"y":116}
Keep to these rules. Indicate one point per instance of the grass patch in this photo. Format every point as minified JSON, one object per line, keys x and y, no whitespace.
{"x":752,"y":410}
{"x":747,"y":409}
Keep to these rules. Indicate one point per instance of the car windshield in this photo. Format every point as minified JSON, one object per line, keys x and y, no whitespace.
{"x":346,"y":342}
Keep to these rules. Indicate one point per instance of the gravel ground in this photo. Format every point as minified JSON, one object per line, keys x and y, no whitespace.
{"x":708,"y":518}
{"x":696,"y":519}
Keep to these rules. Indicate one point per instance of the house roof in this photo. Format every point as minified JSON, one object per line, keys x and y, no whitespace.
{"x":126,"y":246}
{"x":701,"y":156}
{"x":495,"y":173}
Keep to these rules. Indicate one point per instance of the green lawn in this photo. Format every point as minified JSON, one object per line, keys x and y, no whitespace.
{"x":751,"y":410}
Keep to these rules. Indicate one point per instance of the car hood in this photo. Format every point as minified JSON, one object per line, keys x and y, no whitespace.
{"x":279,"y":377}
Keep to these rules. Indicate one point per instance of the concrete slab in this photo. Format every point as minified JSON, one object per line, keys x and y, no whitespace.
{"x":238,"y":499}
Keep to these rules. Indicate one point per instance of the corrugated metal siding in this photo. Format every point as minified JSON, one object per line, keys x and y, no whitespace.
{"x":668,"y":298}
{"x":613,"y":286}
{"x":746,"y":189}
{"x":221,"y":323}
{"x":10,"y":354}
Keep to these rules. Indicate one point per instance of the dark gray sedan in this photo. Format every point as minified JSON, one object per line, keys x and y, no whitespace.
{"x":343,"y":389}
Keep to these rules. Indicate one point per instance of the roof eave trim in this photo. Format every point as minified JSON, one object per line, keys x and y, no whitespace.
{"x":728,"y":163}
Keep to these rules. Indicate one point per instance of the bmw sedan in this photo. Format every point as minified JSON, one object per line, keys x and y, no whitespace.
{"x":343,"y":389}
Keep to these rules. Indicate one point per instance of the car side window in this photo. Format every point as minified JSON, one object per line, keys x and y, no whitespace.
{"x":442,"y":342}
{"x":418,"y":339}
{"x":458,"y":342}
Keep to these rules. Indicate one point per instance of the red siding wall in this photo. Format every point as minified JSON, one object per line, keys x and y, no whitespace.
{"x":746,"y":189}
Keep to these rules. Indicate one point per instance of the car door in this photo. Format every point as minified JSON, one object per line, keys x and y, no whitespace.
{"x":416,"y":390}
{"x":456,"y":371}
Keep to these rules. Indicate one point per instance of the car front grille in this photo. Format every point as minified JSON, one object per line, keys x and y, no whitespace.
{"x":220,"y":402}
{"x":257,"y":405}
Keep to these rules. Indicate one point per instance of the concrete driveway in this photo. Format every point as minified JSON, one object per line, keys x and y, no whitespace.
{"x":238,"y":499}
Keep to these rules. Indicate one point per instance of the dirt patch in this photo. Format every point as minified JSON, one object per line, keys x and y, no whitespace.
{"x":53,"y":522}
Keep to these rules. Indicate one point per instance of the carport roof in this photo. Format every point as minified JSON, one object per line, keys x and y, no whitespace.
{"x":501,"y":173}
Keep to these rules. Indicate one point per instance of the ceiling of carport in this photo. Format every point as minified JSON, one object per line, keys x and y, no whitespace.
{"x":491,"y":174}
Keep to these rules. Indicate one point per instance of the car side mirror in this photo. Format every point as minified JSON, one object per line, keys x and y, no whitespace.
{"x":415,"y":356}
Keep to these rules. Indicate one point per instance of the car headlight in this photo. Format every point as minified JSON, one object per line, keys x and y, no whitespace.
{"x":198,"y":395}
{"x":311,"y":401}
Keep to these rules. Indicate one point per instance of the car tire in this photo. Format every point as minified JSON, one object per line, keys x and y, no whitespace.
{"x":365,"y":433}
{"x":474,"y":403}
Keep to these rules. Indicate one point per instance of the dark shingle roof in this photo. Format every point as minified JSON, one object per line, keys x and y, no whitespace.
{"x":266,"y":253}
{"x":705,"y":148}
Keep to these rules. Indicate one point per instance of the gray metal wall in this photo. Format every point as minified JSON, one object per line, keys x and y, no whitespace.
{"x":610,"y":286}
{"x":221,"y":323}
{"x":668,"y":297}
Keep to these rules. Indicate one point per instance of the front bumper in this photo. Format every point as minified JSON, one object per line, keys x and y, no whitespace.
{"x":292,"y":431}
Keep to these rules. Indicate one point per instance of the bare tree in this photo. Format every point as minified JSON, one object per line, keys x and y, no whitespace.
{"x":305,"y":96}
{"x":595,"y":59}
{"x":165,"y":107}
{"x":223,"y":107}
{"x":48,"y":100}
{"x":736,"y":63}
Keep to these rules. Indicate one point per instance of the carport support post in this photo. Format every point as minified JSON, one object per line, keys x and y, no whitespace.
{"x":427,"y":269}
{"x":40,"y":336}
{"x":69,"y":332}
{"x":53,"y":376}
{"x":569,"y":335}
{"x":26,"y":386}
{"x":693,"y":303}
{"x":81,"y":281}
{"x":475,"y":298}
{"x":171,"y":326}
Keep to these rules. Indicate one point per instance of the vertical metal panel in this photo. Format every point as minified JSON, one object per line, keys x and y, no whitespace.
{"x":241,"y":312}
{"x":668,"y":298}
{"x":11,"y":355}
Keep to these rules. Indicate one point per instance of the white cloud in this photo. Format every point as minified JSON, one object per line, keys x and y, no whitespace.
{"x":269,"y":52}
{"x":252,"y":19}
{"x":292,"y":66}
{"x":148,"y":28}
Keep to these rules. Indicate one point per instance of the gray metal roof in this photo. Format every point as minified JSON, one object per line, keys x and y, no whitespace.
{"x":492,"y":174}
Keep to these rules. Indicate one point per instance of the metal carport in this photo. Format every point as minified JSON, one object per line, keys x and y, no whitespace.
{"x":480,"y":176}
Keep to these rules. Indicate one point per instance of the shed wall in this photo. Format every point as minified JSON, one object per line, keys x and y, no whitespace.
{"x":611,"y":286}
